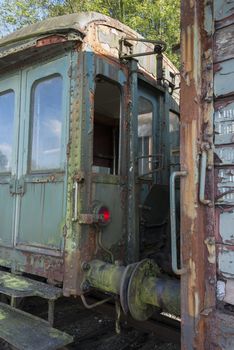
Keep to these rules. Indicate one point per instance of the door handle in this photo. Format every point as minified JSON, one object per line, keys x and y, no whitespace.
{"x":75,"y":200}
{"x":174,"y":175}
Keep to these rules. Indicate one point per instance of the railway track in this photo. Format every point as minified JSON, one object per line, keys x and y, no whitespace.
{"x":95,"y":329}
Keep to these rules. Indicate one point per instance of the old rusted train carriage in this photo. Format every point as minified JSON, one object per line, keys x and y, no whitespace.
{"x":88,"y":138}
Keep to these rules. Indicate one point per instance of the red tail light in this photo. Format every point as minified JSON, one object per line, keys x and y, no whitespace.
{"x":104,"y":215}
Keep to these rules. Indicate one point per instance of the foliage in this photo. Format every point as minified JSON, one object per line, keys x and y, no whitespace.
{"x":154,"y":19}
{"x":15,"y":14}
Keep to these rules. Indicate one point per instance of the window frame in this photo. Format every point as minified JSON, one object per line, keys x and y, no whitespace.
{"x":31,"y":126}
{"x":57,"y":66}
{"x":141,"y":157}
{"x":119,"y":87}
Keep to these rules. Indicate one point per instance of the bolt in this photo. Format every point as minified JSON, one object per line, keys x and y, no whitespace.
{"x":208,"y":99}
{"x":85,"y":266}
{"x":212,"y":281}
{"x":85,"y":286}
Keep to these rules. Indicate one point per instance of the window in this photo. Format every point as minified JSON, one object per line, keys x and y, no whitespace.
{"x":46,"y":116}
{"x":174,"y":122}
{"x":145,"y":146}
{"x":106,"y":127}
{"x":7,"y":106}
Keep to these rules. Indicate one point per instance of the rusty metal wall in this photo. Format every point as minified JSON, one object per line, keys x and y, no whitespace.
{"x":207,"y":127}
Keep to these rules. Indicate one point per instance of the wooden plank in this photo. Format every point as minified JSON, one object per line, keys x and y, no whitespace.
{"x":224,"y":44}
{"x":27,"y":332}
{"x":229,"y":295}
{"x":223,"y":12}
{"x":225,"y":256}
{"x":19,"y":287}
{"x":224,"y":78}
{"x":226,"y":226}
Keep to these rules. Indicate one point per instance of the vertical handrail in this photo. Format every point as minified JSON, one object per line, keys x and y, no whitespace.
{"x":75,"y":198}
{"x":203,"y":166}
{"x":174,"y":175}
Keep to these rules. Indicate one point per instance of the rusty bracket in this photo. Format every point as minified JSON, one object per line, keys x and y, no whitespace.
{"x":17,"y":186}
{"x":86,"y":219}
{"x":159,"y":47}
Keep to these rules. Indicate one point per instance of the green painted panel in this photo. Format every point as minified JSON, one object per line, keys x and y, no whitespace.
{"x":6,"y":210}
{"x":109,"y":195}
{"x":9,"y":128}
{"x":42,"y":205}
{"x":41,"y":215}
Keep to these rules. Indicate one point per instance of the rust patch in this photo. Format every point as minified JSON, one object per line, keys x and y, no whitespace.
{"x":45,"y":266}
{"x":197,"y":220}
{"x":210,"y":244}
{"x":54,"y":39}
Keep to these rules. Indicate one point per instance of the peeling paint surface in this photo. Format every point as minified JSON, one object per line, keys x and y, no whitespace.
{"x":210,"y":243}
{"x":224,"y":139}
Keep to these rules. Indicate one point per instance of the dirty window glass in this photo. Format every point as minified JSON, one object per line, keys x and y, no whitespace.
{"x":46,"y":124}
{"x":7,"y":100}
{"x":145,"y":119}
{"x":174,"y":122}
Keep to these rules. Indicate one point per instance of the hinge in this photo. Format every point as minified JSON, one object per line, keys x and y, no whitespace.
{"x":20,"y":186}
{"x":12,"y":185}
{"x":16,"y":186}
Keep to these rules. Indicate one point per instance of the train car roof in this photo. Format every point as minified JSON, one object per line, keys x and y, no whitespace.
{"x":47,"y":35}
{"x":77,"y":22}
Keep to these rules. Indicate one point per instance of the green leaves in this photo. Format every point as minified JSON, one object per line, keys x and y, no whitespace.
{"x":154,"y":19}
{"x":15,"y":14}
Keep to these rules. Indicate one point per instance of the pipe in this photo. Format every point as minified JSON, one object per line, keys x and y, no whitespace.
{"x":162,"y":292}
{"x":104,"y":276}
{"x":141,"y":287}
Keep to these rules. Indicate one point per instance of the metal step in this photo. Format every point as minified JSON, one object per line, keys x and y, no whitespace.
{"x":20,"y":286}
{"x":28,"y":332}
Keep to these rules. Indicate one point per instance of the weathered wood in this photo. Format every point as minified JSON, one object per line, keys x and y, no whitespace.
{"x":226,"y":226}
{"x":19,"y":287}
{"x":27,"y":332}
{"x":224,"y":44}
{"x":224,"y":78}
{"x":229,"y":296}
{"x":223,"y":12}
{"x":225,"y":260}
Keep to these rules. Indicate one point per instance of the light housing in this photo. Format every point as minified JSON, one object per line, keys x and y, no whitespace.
{"x":102,"y":214}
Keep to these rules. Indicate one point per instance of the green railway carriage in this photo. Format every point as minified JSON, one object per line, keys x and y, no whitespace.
{"x":89,"y":126}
